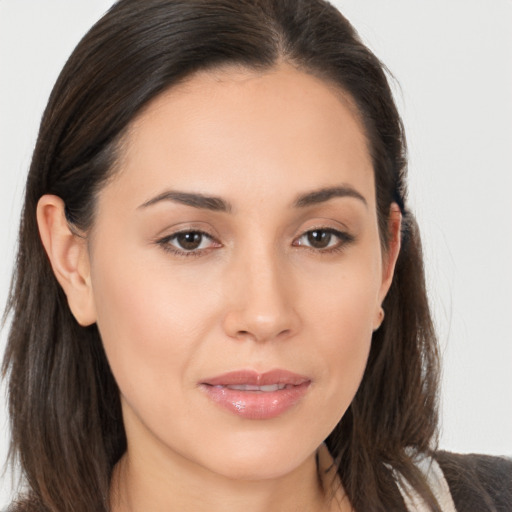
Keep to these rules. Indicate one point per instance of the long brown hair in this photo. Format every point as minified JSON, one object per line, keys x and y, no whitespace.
{"x":67,"y":429}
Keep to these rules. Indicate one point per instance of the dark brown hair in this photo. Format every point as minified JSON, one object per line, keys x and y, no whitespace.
{"x":67,"y":429}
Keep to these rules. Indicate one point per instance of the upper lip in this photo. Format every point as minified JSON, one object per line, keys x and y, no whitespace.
{"x":254,"y":378}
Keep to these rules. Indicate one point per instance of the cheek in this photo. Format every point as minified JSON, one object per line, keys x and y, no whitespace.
{"x":340,"y":325}
{"x":150,"y":321}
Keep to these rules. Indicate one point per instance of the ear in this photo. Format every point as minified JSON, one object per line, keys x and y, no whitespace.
{"x":390,"y":257}
{"x":69,"y":258}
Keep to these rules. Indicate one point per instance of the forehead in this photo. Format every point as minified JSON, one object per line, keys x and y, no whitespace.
{"x":256,"y":131}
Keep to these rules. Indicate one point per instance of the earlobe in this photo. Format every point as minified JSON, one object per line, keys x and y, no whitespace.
{"x":69,"y":258}
{"x":380,"y":318}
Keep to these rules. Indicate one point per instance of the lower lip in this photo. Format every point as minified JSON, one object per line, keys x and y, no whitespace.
{"x":256,"y":405}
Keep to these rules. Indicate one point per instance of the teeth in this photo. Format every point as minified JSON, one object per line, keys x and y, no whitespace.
{"x":250,"y":387}
{"x":244,"y":387}
{"x":270,"y":387}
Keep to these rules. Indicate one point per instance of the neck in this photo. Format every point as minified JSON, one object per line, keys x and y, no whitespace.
{"x":138,"y":487}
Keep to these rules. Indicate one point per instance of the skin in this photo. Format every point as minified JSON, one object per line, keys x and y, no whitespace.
{"x":256,"y":294}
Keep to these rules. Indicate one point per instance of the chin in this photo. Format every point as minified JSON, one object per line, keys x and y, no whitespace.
{"x":256,"y":457}
{"x":255,"y":469}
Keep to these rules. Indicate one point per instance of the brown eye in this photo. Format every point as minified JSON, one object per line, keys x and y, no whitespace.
{"x":319,"y":238}
{"x":189,"y":241}
{"x":324,"y":240}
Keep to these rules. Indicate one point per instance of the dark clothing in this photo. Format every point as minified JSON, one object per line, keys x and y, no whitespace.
{"x":478,"y":483}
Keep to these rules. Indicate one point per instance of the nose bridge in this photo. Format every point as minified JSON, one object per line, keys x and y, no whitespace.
{"x":261,"y":306}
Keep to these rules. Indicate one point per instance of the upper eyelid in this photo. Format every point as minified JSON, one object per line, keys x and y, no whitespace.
{"x":343,"y":235}
{"x":192,"y":230}
{"x":177,"y":233}
{"x":330,"y":229}
{"x":188,"y":229}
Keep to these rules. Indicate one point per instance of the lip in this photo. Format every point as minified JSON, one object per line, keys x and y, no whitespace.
{"x":284,"y":389}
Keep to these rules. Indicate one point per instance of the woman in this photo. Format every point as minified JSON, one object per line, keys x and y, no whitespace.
{"x":219,"y":298}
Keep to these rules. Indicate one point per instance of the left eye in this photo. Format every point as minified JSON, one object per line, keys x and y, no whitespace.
{"x":322,"y":239}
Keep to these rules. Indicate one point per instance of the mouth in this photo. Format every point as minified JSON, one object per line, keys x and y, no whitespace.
{"x":256,"y":396}
{"x":263,"y":389}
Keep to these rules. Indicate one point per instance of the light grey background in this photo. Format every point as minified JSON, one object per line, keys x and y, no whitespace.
{"x":453,"y":60}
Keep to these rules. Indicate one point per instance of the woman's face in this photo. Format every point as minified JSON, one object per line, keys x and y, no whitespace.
{"x":237,"y":272}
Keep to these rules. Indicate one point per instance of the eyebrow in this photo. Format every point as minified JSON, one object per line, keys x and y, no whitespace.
{"x":325,"y":194}
{"x":217,"y":204}
{"x":195,"y":200}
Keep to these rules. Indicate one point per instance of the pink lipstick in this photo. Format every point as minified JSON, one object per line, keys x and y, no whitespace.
{"x":254,"y":395}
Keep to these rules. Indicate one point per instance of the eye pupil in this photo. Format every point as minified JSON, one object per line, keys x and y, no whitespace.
{"x":319,"y":238}
{"x":190,"y":240}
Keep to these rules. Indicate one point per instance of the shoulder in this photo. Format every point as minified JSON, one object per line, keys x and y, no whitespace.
{"x":478,"y":482}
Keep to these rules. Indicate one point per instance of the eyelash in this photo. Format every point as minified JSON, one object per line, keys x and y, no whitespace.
{"x":344,"y":240}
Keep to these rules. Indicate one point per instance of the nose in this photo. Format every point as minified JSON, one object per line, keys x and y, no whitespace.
{"x":262,"y":305}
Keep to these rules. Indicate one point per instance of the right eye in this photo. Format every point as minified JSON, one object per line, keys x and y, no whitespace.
{"x":188,"y":243}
